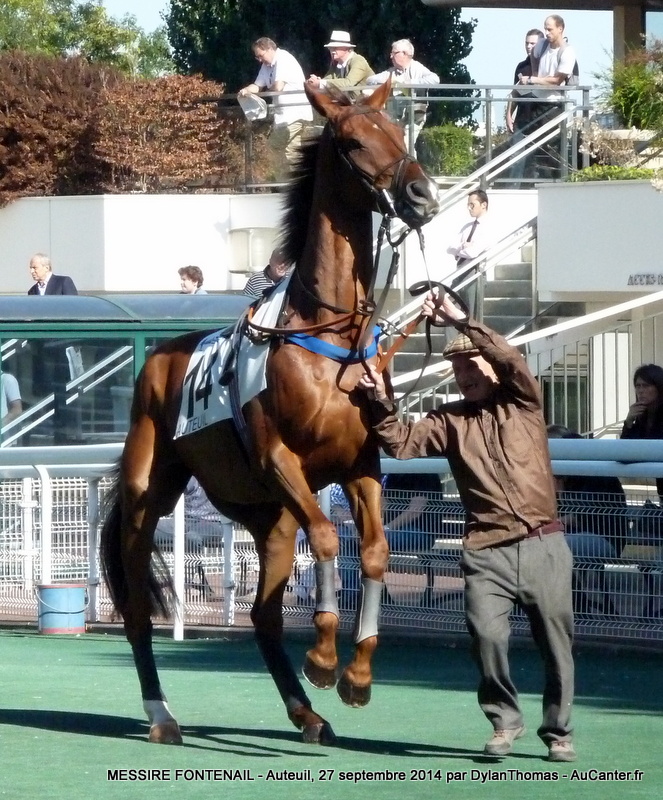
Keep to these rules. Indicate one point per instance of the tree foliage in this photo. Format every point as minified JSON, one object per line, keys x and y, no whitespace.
{"x":70,"y":127}
{"x":213,"y":37}
{"x":167,"y":134}
{"x":65,"y":27}
{"x":47,"y":108}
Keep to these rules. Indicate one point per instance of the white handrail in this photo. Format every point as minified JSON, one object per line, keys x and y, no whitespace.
{"x":504,"y":160}
{"x":554,"y":336}
{"x":512,"y":241}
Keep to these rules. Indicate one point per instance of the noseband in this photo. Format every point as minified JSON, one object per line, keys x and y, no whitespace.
{"x":384,"y":197}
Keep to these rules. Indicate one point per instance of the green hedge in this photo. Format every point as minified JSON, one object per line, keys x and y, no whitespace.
{"x":446,"y":150}
{"x":609,"y":172}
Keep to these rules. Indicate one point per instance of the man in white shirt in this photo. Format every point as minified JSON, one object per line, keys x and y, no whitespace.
{"x":553,"y":65}
{"x":475,"y":237}
{"x":280,"y":72}
{"x":10,"y":399}
{"x":405,"y":71}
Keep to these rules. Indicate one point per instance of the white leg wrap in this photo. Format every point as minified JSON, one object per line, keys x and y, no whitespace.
{"x":157,"y":712}
{"x":325,"y":588}
{"x":368,"y":610}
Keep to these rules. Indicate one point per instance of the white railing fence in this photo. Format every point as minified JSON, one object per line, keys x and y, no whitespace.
{"x":49,"y":531}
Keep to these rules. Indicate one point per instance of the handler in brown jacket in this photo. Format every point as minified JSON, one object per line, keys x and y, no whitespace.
{"x":514,"y":549}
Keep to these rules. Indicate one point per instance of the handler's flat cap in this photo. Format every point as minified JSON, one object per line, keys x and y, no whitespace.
{"x":460,"y":346}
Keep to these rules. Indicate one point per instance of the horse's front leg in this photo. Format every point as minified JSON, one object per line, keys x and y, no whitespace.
{"x":321,"y":663}
{"x":354,"y":686}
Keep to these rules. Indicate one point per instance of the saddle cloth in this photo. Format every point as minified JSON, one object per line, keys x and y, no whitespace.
{"x":204,"y":400}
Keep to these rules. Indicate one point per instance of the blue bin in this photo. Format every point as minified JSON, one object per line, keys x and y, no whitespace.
{"x":61,"y":608}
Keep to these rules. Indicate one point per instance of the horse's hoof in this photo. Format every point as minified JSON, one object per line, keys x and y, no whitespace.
{"x":318,"y":733}
{"x":351,"y":695}
{"x":165,"y":733}
{"x":318,"y":676}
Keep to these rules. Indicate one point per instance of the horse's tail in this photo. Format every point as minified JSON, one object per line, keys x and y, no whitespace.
{"x":160,"y":582}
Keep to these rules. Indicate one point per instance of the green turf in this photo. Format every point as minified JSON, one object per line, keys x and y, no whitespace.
{"x":70,"y":711}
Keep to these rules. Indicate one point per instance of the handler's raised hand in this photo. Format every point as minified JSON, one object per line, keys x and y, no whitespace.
{"x":441,"y":308}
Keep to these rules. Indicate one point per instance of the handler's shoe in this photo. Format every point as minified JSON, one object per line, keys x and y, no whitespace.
{"x":561,"y":751}
{"x":502,"y":741}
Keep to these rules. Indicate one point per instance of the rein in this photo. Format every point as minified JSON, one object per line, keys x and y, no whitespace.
{"x":415,"y":290}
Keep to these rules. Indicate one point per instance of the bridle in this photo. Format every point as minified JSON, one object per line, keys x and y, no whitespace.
{"x":384,"y":197}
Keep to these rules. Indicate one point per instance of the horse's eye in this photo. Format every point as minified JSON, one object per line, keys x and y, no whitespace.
{"x":353,"y":144}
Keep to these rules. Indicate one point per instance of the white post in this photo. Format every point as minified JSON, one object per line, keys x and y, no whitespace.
{"x":228,"y":573}
{"x":28,"y":505}
{"x":46,"y":525}
{"x":93,"y":548}
{"x":178,"y":570}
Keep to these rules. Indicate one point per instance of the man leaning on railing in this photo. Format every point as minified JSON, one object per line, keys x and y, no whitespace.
{"x":280,"y":72}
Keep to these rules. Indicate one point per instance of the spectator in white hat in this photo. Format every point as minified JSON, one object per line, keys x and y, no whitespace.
{"x":347,"y":67}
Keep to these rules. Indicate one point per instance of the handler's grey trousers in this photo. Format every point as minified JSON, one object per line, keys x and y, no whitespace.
{"x":535,"y":572}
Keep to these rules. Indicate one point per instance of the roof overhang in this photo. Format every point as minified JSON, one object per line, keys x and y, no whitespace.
{"x":575,"y":5}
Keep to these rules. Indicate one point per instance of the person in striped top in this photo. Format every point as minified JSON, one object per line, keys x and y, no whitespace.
{"x":273,"y":273}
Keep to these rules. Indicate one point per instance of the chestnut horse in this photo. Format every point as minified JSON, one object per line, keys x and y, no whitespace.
{"x":304,"y":431}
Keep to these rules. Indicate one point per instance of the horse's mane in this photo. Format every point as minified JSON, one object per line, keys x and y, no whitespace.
{"x":298,"y":201}
{"x":299,"y":195}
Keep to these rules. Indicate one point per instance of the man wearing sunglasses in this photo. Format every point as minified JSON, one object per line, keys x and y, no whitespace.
{"x":405,"y":71}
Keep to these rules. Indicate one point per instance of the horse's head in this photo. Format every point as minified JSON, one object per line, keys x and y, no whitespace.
{"x":374,"y":148}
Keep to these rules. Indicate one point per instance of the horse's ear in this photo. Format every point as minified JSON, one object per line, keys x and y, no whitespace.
{"x":322,"y":102}
{"x":378,"y":98}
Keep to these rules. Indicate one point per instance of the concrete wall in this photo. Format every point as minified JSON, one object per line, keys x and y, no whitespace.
{"x":600,"y":240}
{"x":126,"y":243}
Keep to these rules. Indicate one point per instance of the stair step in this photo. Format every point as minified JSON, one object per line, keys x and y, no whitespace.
{"x":566,"y":310}
{"x":506,"y":307}
{"x":505,"y":324}
{"x":521,"y":271}
{"x":504,"y":288}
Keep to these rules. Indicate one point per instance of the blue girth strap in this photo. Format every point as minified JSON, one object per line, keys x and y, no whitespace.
{"x":333,"y":351}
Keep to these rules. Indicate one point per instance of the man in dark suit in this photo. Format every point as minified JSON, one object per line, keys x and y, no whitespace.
{"x":45,"y":281}
{"x":50,"y":364}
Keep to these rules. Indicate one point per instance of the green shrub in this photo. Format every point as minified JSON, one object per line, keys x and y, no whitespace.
{"x":633,"y":87}
{"x":446,"y":150}
{"x":610,"y":172}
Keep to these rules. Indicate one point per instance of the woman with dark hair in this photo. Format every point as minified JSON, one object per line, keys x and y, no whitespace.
{"x":645,"y":417}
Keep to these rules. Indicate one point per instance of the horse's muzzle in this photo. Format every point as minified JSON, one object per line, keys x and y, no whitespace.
{"x":420,"y":202}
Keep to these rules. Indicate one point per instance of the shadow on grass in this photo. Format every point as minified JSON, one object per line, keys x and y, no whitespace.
{"x":230,"y":740}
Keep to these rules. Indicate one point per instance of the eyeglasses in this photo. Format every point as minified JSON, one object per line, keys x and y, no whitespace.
{"x":396,"y":52}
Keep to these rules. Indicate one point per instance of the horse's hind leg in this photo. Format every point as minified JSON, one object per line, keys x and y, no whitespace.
{"x":275,"y":544}
{"x":145,"y":480}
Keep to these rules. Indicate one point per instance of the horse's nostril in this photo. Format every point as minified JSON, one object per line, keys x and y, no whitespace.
{"x":423,"y":193}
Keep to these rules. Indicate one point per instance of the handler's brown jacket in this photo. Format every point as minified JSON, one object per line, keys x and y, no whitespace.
{"x":497,"y":450}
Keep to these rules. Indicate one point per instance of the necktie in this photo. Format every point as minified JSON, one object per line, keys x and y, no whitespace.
{"x":472,"y":229}
{"x":460,"y":260}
